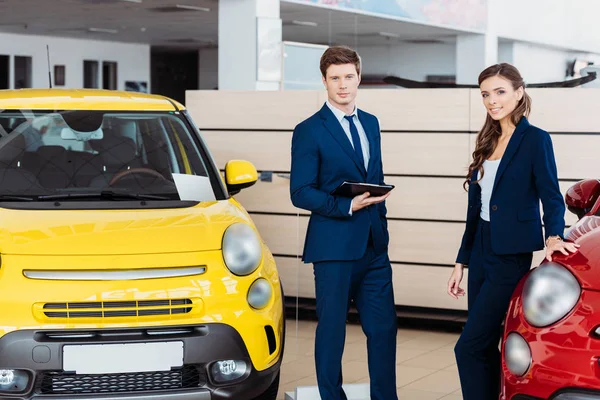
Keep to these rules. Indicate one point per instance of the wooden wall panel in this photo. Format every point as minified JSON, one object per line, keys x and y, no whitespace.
{"x":577,"y":156}
{"x":423,"y":110}
{"x":425,"y":153}
{"x":214,"y":109}
{"x":271,"y":196}
{"x":423,"y":286}
{"x":269,"y":151}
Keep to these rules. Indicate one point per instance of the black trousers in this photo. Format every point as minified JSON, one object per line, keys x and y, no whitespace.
{"x":492,"y":280}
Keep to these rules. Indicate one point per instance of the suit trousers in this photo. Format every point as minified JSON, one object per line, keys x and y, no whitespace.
{"x":367,"y":282}
{"x":492,"y":280}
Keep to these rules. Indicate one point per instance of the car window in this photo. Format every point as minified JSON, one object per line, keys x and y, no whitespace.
{"x":49,"y":153}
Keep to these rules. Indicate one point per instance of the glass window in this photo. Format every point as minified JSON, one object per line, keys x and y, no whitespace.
{"x":50,"y":153}
{"x":4,"y":72}
{"x":22,"y":72}
{"x":109,"y":75}
{"x":90,"y":74}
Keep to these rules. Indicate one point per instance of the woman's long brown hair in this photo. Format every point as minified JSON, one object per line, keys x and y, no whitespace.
{"x":487,"y":139}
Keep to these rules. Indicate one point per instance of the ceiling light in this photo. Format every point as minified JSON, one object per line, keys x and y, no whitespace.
{"x":304,"y":23}
{"x":133,"y":1}
{"x":193,"y":8}
{"x":389,"y":34}
{"x":103,"y":30}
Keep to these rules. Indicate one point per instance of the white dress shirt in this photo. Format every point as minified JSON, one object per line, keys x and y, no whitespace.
{"x":490,"y":169}
{"x":364,"y":142}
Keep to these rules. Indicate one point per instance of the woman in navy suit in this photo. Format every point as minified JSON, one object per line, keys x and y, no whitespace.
{"x":513,"y":168}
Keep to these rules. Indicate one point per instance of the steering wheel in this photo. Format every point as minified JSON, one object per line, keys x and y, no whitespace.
{"x":132,"y":171}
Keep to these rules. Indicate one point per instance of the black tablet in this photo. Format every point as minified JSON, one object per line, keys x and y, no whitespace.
{"x":352,"y":189}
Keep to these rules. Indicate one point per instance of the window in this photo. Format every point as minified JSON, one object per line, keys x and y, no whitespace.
{"x":22,"y":72}
{"x":90,"y":74}
{"x":4,"y":72}
{"x":109,"y":75}
{"x":80,"y":151}
{"x":59,"y":75}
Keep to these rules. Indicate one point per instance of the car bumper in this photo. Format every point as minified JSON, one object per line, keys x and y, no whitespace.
{"x":565,"y":394}
{"x":40,"y":354}
{"x":192,"y":395}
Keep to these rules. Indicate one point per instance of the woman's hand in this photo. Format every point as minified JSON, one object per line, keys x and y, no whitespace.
{"x":555,"y":244}
{"x":454,"y":289}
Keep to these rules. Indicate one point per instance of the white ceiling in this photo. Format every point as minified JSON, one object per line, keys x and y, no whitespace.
{"x":139,"y":21}
{"x":134,"y":21}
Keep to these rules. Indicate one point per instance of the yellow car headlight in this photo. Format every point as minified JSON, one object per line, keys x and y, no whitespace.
{"x":260,"y":294}
{"x":242,"y":250}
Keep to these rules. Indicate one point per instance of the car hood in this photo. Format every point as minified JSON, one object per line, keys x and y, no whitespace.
{"x":585,"y":264}
{"x":117,"y":232}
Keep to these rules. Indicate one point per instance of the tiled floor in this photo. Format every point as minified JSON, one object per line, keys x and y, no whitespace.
{"x":426,"y":369}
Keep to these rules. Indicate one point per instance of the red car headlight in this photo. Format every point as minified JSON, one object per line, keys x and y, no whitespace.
{"x":550,"y":292}
{"x":517,"y":354}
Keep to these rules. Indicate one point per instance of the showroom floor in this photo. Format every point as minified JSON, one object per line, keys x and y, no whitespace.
{"x":426,"y":369}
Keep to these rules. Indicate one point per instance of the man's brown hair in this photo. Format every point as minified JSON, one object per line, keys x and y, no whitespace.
{"x":337,"y":55}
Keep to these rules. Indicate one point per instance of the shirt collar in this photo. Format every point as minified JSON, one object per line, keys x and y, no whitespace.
{"x":339,"y":114}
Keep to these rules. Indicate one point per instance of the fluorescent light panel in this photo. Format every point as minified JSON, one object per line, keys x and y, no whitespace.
{"x":193,"y":8}
{"x":304,"y":23}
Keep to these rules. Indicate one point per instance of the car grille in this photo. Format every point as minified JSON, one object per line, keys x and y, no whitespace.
{"x":188,"y":377}
{"x":111,"y":309}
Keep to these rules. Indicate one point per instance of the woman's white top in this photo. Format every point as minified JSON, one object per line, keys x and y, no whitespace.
{"x":490,"y":169}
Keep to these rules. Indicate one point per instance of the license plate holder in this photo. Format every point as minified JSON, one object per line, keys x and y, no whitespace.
{"x":122,"y":357}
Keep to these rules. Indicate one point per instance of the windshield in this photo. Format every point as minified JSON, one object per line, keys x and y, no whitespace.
{"x":78,"y":153}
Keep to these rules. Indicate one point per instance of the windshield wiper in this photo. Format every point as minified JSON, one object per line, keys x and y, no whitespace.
{"x":105,"y":194}
{"x":10,"y":197}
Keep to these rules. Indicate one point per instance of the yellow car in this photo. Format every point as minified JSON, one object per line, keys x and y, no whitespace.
{"x":127,"y":269}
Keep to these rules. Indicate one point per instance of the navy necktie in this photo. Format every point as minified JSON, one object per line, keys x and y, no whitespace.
{"x":355,"y":139}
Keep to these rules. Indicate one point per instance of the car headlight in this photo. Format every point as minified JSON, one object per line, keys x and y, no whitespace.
{"x":242,"y":250}
{"x":551,"y":291}
{"x":517,"y":354}
{"x":260,"y":293}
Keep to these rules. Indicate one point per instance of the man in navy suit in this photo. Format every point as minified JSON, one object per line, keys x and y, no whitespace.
{"x":347,"y":238}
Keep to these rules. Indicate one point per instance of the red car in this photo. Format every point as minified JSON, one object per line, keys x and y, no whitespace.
{"x":551,"y":343}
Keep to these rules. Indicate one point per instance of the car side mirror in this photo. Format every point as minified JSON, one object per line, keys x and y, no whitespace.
{"x":239,"y":174}
{"x":582,"y":196}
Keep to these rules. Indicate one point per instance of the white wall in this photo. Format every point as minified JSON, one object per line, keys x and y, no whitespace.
{"x":409,"y":60}
{"x":539,"y":63}
{"x":133,"y":59}
{"x":571,"y":24}
{"x":208,"y":69}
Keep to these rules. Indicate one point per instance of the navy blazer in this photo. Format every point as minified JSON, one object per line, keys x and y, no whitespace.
{"x":323,"y":158}
{"x":526,"y":174}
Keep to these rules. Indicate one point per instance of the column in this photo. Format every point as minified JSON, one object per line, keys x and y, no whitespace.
{"x":250,"y":56}
{"x":474,"y":53}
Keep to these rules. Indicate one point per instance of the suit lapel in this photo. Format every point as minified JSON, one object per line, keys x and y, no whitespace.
{"x":511,"y":149}
{"x":336,"y":130}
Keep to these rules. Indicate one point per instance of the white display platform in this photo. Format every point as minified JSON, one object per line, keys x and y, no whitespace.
{"x":354,"y":391}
